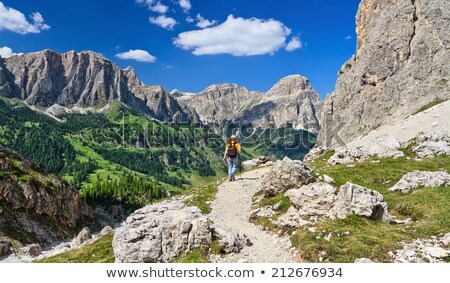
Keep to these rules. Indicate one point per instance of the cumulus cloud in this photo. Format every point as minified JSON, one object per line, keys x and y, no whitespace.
{"x":15,"y":21}
{"x":137,"y":55}
{"x":236,"y":36}
{"x":155,"y":6}
{"x":190,"y":20}
{"x":6,"y":52}
{"x":185,"y":5}
{"x":204,"y":23}
{"x":164,"y":22}
{"x":294,"y":44}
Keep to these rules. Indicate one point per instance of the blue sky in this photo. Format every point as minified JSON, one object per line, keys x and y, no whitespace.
{"x":249,"y":42}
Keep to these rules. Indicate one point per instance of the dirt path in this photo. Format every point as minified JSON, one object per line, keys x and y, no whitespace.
{"x":231,"y":211}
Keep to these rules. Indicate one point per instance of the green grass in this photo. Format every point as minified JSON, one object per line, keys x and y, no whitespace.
{"x":198,"y":255}
{"x":100,"y":251}
{"x":200,"y":197}
{"x":430,"y":105}
{"x":428,"y":207}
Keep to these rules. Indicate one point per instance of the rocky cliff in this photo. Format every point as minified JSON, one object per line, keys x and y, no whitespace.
{"x":291,"y":101}
{"x":401,"y":65}
{"x":83,"y":79}
{"x":36,"y":207}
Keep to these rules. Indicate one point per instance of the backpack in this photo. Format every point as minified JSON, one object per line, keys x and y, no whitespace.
{"x":232,"y":151}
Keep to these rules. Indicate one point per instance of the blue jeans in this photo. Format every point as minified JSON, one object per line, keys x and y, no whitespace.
{"x":232,"y":165}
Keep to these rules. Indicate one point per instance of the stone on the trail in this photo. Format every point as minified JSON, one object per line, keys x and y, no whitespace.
{"x":83,"y":236}
{"x":5,"y":246}
{"x":432,"y":145}
{"x":417,"y":179}
{"x":291,"y":219}
{"x":161,"y":232}
{"x":363,"y":260}
{"x":31,"y":250}
{"x":313,"y":199}
{"x":345,"y":155}
{"x":286,"y":174}
{"x":354,"y":199}
{"x":258,"y":162}
{"x":230,"y":242}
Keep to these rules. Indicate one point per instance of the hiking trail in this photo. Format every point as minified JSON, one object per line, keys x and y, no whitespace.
{"x":231,"y":211}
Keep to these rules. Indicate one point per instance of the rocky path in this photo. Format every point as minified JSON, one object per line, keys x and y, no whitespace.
{"x":231,"y":211}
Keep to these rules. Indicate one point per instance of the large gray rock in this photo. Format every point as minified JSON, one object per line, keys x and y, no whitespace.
{"x":417,"y":179}
{"x":345,"y":155}
{"x":316,"y":199}
{"x":290,"y":101}
{"x":354,"y":199}
{"x":161,"y":232}
{"x":400,"y":66}
{"x":432,"y":145}
{"x":83,"y":79}
{"x":5,"y":246}
{"x":230,"y":242}
{"x":286,"y":174}
{"x":258,"y":162}
{"x":83,"y":236}
{"x":33,"y":250}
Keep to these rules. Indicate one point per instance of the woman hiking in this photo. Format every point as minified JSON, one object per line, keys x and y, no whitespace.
{"x":231,"y":155}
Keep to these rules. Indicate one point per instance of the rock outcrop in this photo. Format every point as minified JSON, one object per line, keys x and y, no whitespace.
{"x":292,"y":101}
{"x":230,"y":242}
{"x":321,"y":200}
{"x":258,"y":162}
{"x":286,"y":174}
{"x":84,"y":79}
{"x":161,"y":232}
{"x":400,"y":66}
{"x":36,"y":207}
{"x":431,"y":250}
{"x":418,"y":179}
{"x":432,"y":145}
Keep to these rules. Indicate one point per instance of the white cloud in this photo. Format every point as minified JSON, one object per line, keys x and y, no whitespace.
{"x":138,"y":55}
{"x":6,"y":52}
{"x":164,"y":22}
{"x":186,"y":5}
{"x":190,"y":20}
{"x":15,"y":21}
{"x":294,"y":44}
{"x":155,"y":6}
{"x":204,"y":23}
{"x":236,"y":36}
{"x":348,"y":37}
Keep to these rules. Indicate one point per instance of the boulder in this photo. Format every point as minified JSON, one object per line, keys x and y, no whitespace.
{"x":31,"y":250}
{"x":315,"y":153}
{"x":107,"y":230}
{"x":83,"y":236}
{"x":231,"y":242}
{"x":346,"y":155}
{"x":354,"y":199}
{"x":313,"y":199}
{"x":328,"y":179}
{"x":5,"y":246}
{"x":446,"y":240}
{"x":286,"y":174}
{"x":363,"y":260}
{"x":161,"y":232}
{"x":291,"y":219}
{"x":383,"y":146}
{"x":432,"y":145}
{"x":258,"y":162}
{"x":414,"y":180}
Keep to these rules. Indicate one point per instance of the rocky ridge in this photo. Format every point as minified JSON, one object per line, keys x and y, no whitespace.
{"x":291,"y":101}
{"x":85,"y":79}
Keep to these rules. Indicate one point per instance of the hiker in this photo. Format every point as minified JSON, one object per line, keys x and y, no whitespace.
{"x":231,"y":155}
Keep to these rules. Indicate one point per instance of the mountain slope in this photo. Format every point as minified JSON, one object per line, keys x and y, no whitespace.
{"x":401,"y":65}
{"x":84,"y":79}
{"x":37,"y":206}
